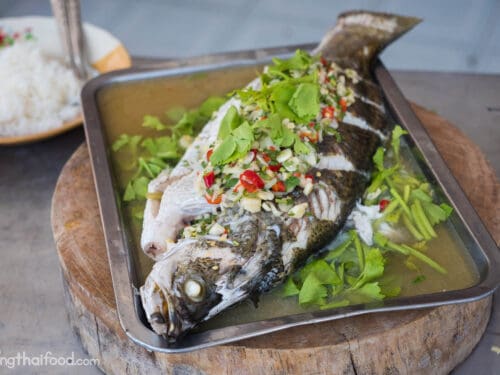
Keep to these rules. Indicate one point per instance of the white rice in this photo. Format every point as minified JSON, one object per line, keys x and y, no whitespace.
{"x":37,"y":92}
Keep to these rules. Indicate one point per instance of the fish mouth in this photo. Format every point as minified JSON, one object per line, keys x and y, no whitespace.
{"x":159,"y":311}
{"x":165,"y":322}
{"x":160,"y":307}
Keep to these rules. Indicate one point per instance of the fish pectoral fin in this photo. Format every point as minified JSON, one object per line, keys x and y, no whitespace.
{"x":156,"y":188}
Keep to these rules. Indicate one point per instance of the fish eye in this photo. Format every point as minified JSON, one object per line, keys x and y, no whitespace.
{"x":194,"y":290}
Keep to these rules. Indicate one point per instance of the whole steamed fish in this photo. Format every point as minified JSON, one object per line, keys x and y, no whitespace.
{"x":270,"y":179}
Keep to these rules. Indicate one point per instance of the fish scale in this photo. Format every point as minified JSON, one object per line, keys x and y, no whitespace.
{"x":263,"y":248}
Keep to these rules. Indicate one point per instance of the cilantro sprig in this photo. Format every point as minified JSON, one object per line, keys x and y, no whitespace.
{"x":145,"y":157}
{"x":353,"y":272}
{"x":289,"y":91}
{"x":349,"y":273}
{"x":411,"y":197}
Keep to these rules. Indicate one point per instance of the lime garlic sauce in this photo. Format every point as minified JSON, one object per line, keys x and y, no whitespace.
{"x":122,"y":107}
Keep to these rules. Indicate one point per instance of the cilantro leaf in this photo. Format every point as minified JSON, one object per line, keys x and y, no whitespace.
{"x":288,"y":137}
{"x":175,"y":114}
{"x":186,"y":124}
{"x":434,"y":213}
{"x":395,"y":140}
{"x":300,"y":61}
{"x":372,"y":290}
{"x":154,"y":154}
{"x":243,"y":136}
{"x":280,"y":97}
{"x":166,"y":148}
{"x":273,"y":124}
{"x":300,"y":147}
{"x":150,"y":145}
{"x":289,"y":288}
{"x":231,"y":183}
{"x":224,"y":151}
{"x":153,"y":122}
{"x":313,"y":291}
{"x":244,"y":132}
{"x":248,"y":95}
{"x":447,"y":209}
{"x":373,"y":267}
{"x":140,"y":186}
{"x":211,"y":105}
{"x":325,"y":273}
{"x":322,"y":270}
{"x":123,"y":140}
{"x":291,"y":183}
{"x":305,"y":101}
{"x":129,"y":194}
{"x":127,"y":140}
{"x":229,"y":122}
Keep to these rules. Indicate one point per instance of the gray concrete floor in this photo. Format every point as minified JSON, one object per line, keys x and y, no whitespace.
{"x":455,"y":35}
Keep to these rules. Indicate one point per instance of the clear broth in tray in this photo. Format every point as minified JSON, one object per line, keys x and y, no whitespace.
{"x":122,"y":107}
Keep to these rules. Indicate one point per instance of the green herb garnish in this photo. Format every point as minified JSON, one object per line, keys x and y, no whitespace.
{"x":343,"y":276}
{"x":149,"y":156}
{"x":353,"y":272}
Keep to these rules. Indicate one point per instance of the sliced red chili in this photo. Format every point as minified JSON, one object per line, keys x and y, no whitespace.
{"x":279,"y":187}
{"x":328,"y":112}
{"x":312,"y":136}
{"x":266,"y":157}
{"x":209,"y":179}
{"x":311,"y":124}
{"x":383,"y":204}
{"x":237,"y":186}
{"x":213,"y":199}
{"x":343,"y":104}
{"x":275,"y":167}
{"x":309,"y":176}
{"x":323,"y":61}
{"x":209,"y":153}
{"x":251,"y":181}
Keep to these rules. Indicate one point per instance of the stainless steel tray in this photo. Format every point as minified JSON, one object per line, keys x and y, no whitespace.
{"x":480,"y":245}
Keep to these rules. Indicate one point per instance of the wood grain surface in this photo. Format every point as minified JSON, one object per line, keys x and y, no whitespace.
{"x":416,"y":341}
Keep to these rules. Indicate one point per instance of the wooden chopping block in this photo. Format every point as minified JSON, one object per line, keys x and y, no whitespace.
{"x":426,"y":341}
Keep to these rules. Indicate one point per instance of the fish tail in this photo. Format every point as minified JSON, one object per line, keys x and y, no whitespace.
{"x":360,"y":36}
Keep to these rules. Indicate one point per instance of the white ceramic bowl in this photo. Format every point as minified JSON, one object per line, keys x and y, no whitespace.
{"x":105,"y":52}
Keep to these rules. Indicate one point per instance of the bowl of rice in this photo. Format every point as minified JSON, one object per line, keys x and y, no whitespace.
{"x":39,"y":94}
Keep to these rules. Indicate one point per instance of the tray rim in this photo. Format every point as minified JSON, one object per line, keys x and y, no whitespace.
{"x":121,"y":260}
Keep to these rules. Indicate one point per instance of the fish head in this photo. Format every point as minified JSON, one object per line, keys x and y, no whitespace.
{"x":198,"y":278}
{"x":182,"y":288}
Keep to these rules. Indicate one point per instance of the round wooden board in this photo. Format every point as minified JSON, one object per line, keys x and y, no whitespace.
{"x":416,"y":341}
